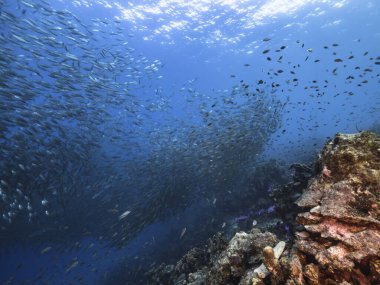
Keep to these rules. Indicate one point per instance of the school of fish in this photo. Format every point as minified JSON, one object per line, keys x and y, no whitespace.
{"x":82,"y":152}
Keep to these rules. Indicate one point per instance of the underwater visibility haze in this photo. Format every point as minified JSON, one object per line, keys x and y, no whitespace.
{"x":132,"y":131}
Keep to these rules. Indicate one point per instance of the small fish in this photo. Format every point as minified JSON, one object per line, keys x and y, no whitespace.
{"x":338,"y":60}
{"x":123,"y":215}
{"x":223,"y":225}
{"x":266,"y":51}
{"x":112,"y":210}
{"x":45,"y":250}
{"x":182,"y":233}
{"x":241,"y":218}
{"x":271,"y":209}
{"x":310,"y":50}
{"x":266,"y":39}
{"x":20,"y":38}
{"x":72,"y":265}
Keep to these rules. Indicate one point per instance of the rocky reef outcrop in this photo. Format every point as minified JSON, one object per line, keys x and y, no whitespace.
{"x":336,"y":228}
{"x":340,"y":243}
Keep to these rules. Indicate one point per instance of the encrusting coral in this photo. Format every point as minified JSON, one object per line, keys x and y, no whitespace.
{"x":341,"y":217}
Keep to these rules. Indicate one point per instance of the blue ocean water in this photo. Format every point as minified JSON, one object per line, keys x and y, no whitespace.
{"x":131,"y":131}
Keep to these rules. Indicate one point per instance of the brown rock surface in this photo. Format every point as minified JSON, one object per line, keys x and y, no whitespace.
{"x":232,"y":263}
{"x":343,"y":217}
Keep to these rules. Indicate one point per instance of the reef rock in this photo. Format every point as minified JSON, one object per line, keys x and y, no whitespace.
{"x":233,"y":263}
{"x":341,"y":241}
{"x":219,"y":262}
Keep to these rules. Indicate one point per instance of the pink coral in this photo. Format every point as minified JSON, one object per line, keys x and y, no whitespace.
{"x":326,"y":172}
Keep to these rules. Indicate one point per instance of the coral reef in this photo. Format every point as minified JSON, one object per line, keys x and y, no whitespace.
{"x":241,"y":252}
{"x":270,"y":265}
{"x":219,"y":262}
{"x":341,"y":218}
{"x":336,"y":228}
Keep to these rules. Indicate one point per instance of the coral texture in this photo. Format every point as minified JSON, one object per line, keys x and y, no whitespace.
{"x":341,"y":241}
